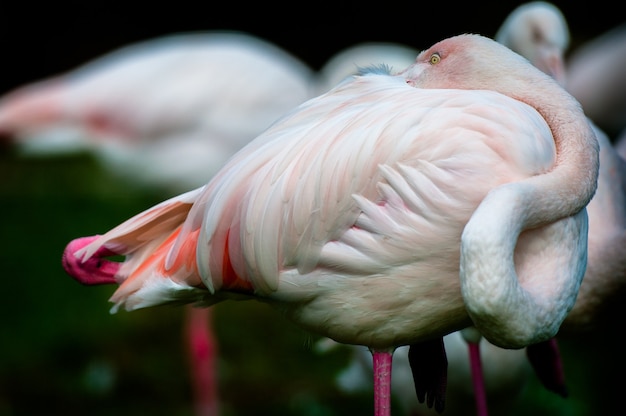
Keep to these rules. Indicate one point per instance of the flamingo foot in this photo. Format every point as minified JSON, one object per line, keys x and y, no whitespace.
{"x":382,"y":382}
{"x":429,"y":366}
{"x":545,"y":359}
{"x":93,"y":271}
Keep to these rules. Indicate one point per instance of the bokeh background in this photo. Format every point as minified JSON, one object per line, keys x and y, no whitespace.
{"x":61,"y":352}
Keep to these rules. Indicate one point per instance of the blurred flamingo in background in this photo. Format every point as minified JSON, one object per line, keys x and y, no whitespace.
{"x":364,"y":249}
{"x":192,"y":97}
{"x":596,"y":78}
{"x":351,"y":60}
{"x":539,"y":32}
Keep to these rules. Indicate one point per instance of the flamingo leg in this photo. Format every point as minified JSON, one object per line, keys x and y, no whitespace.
{"x":478,"y":381}
{"x":545,"y":359}
{"x":202,"y":348}
{"x":382,"y":382}
{"x":429,"y":366}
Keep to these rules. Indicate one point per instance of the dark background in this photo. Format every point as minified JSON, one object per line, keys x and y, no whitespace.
{"x":43,"y":38}
{"x":62,"y":353}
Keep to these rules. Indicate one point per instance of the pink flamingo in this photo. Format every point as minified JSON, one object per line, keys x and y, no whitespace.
{"x":596,"y":78}
{"x":197,"y":97}
{"x":439,"y":204}
{"x":539,"y":32}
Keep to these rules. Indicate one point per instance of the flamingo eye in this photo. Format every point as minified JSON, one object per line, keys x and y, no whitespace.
{"x":435,"y":58}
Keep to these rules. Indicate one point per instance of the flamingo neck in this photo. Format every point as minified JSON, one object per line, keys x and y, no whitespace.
{"x":513,"y":311}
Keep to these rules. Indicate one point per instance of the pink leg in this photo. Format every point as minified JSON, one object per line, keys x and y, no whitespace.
{"x":478,"y":381}
{"x":545,"y":358}
{"x":202,"y":352}
{"x":382,"y":382}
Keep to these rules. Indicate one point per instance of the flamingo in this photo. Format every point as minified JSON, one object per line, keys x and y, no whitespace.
{"x":596,"y":78}
{"x":539,"y":32}
{"x":197,"y":97}
{"x":462,"y":207}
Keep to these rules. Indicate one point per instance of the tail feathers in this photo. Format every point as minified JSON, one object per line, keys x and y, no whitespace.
{"x":152,"y":225}
{"x":158,"y":275}
{"x":161,"y":264}
{"x":150,"y":283}
{"x":158,"y":292}
{"x":146,"y":241}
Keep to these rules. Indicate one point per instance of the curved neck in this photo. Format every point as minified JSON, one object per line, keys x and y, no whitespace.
{"x":572,"y":182}
{"x":513,"y":311}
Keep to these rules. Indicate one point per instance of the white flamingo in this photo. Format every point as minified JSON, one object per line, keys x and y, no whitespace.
{"x":192,"y":97}
{"x":539,"y":32}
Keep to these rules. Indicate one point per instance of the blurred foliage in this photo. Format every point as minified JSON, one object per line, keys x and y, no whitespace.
{"x":64,"y":353}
